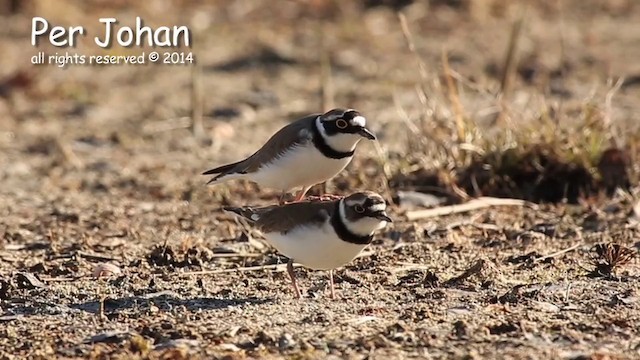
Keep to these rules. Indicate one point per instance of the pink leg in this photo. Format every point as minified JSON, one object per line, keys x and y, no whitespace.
{"x":325,"y":197}
{"x":331,"y":197}
{"x":300,"y":195}
{"x":292,"y":275}
{"x":333,"y":294}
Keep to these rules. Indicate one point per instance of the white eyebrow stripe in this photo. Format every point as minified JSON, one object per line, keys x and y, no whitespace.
{"x":351,"y":203}
{"x":359,"y":121}
{"x":378,"y":207}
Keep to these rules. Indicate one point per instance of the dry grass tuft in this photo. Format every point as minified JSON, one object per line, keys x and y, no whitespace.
{"x":543,"y":150}
{"x":608,"y":256}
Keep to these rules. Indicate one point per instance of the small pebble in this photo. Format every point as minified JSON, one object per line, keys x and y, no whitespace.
{"x":106,"y":270}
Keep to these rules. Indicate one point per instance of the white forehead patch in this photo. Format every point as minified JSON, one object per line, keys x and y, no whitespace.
{"x":378,"y":207}
{"x":359,"y":121}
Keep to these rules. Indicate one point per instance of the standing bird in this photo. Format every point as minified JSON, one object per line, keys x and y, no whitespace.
{"x":321,"y":235}
{"x":306,"y":152}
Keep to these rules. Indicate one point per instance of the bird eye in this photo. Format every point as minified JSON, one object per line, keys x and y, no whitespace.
{"x":358,"y":209}
{"x":342,"y":124}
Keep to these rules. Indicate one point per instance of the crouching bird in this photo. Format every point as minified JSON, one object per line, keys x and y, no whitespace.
{"x":320,"y":235}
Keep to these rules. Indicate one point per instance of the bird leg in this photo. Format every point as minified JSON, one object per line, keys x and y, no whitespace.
{"x":302,"y":192}
{"x":330,"y":197}
{"x":325,"y":197}
{"x":292,"y":275}
{"x":300,"y":195}
{"x":333,"y":294}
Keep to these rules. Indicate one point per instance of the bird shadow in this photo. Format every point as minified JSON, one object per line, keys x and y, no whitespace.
{"x":165,"y":302}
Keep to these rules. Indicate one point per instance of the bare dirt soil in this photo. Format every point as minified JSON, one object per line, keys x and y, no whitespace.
{"x":98,"y":165}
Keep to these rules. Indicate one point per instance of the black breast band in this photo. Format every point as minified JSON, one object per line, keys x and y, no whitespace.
{"x":321,"y":144}
{"x":344,"y":233}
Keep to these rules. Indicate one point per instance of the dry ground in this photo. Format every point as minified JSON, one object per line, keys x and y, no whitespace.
{"x":98,"y":165}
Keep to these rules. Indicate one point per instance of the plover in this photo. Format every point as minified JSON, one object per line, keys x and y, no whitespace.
{"x":304,"y":153}
{"x":321,"y":235}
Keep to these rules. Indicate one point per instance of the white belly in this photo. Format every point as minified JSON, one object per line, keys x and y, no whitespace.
{"x":303,"y":166}
{"x":318,"y":248}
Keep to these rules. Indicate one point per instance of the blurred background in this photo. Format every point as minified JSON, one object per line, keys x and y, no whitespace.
{"x":532,"y":99}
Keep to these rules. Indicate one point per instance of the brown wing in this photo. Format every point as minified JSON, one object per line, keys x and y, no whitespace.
{"x":295,"y":133}
{"x":284,"y":218}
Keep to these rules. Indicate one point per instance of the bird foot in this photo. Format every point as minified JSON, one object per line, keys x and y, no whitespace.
{"x":313,"y":198}
{"x":325,"y":197}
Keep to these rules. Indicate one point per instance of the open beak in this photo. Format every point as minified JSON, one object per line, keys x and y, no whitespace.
{"x":364,"y":132}
{"x":381,"y":215}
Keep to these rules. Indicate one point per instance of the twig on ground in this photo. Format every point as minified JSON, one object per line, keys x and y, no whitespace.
{"x":461,"y":223}
{"x":68,"y":154}
{"x":406,"y":266}
{"x":167,"y":125}
{"x":558,"y":253}
{"x":474,"y":204}
{"x":62,"y":279}
{"x":95,"y":256}
{"x":481,"y":226}
{"x":8,"y":257}
{"x":234,"y":255}
{"x":365,"y":254}
{"x":474,"y":269}
{"x":101,"y":299}
{"x":566,"y":293}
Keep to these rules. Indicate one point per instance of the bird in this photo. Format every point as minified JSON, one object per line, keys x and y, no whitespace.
{"x":306,"y":152}
{"x":320,"y":235}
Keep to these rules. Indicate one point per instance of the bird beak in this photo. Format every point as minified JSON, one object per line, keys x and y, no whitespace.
{"x":382,"y":216}
{"x":364,"y":132}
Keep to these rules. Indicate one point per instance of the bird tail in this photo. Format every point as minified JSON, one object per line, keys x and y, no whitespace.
{"x":221,"y":171}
